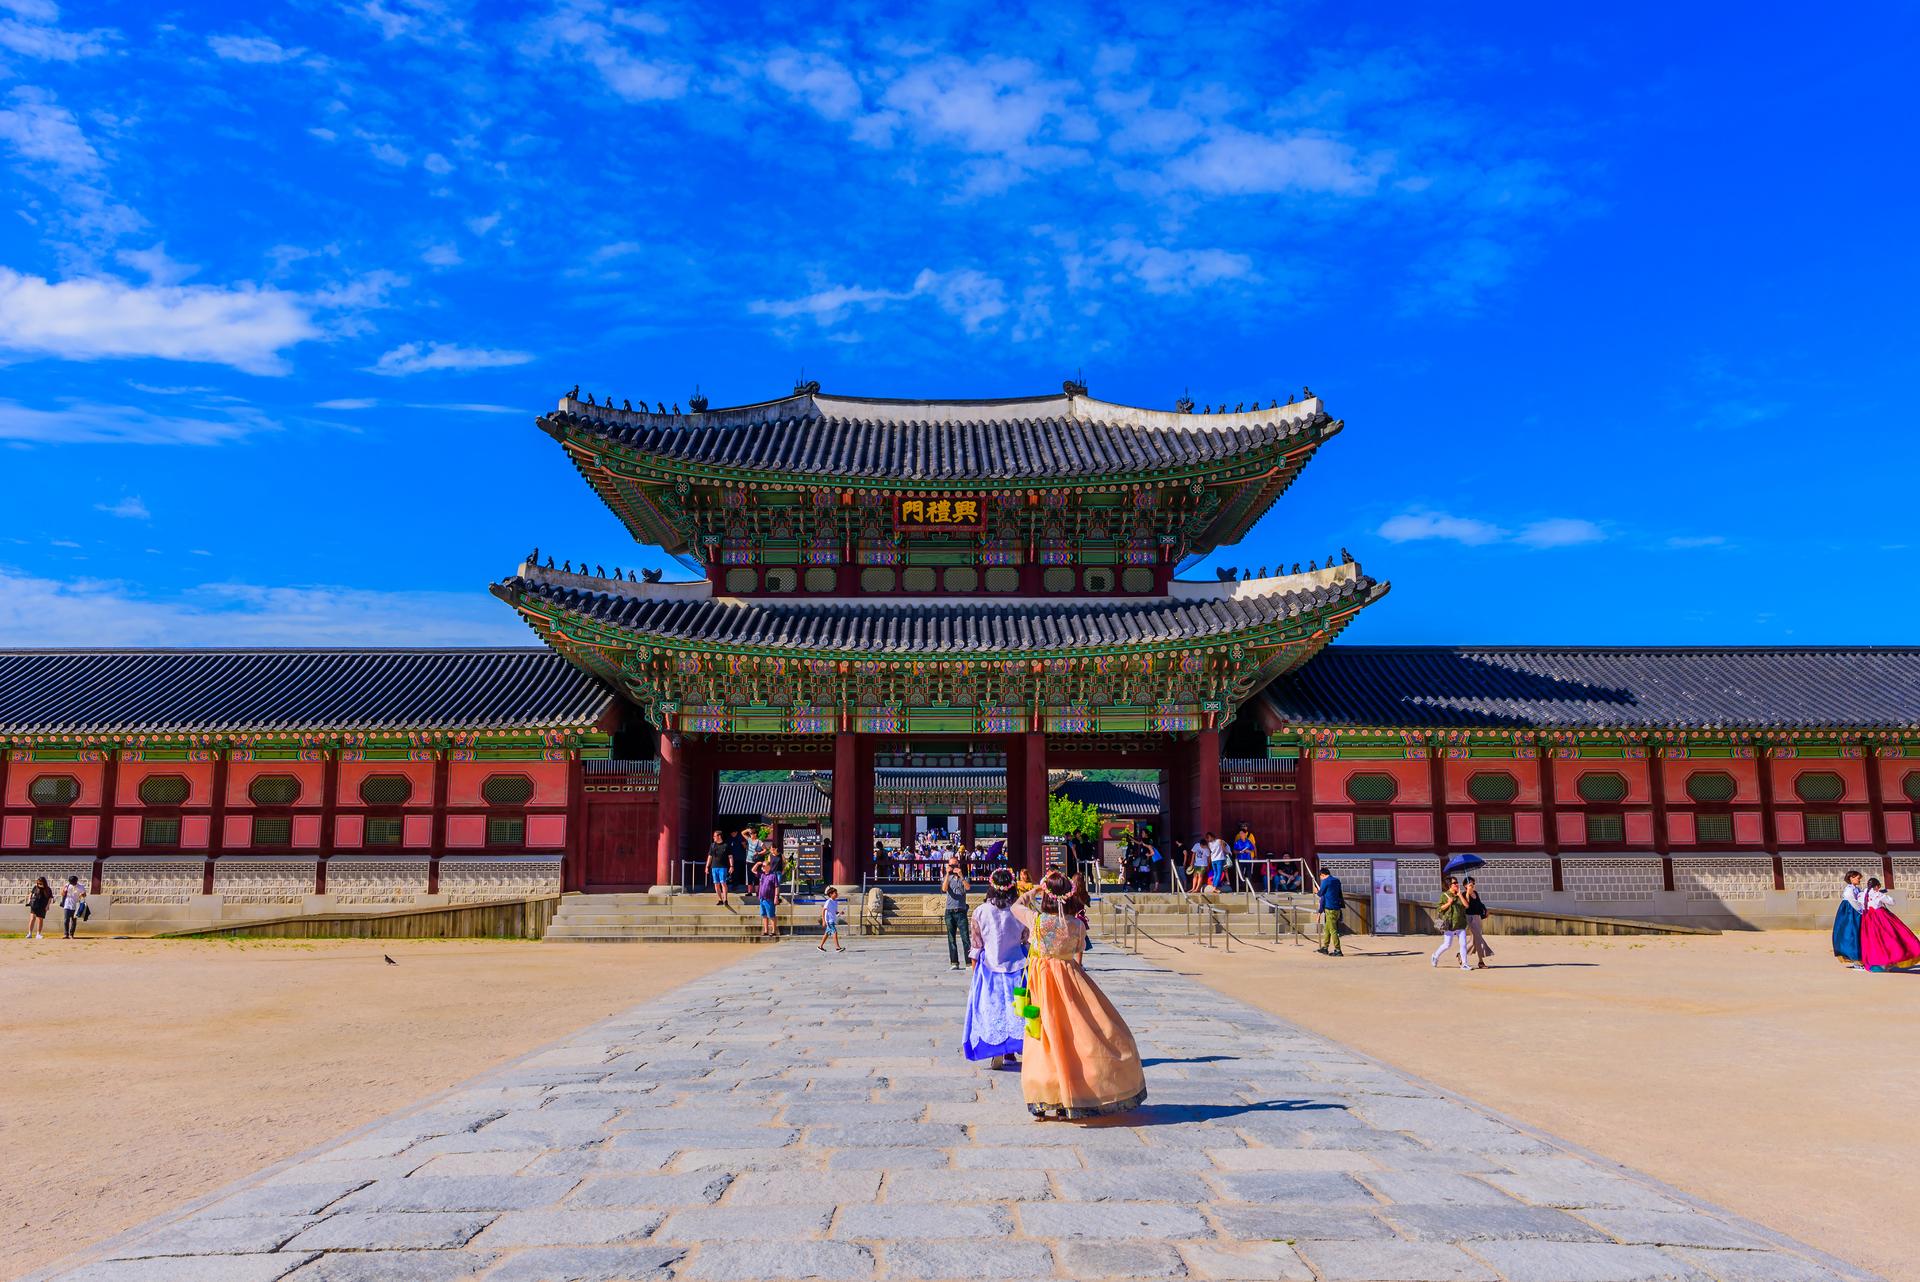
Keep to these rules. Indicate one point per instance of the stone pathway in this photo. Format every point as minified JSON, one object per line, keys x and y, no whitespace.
{"x":800,"y":1116}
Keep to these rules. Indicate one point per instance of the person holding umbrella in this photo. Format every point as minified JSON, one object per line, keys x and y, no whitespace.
{"x":1476,"y":907}
{"x":1451,"y":913}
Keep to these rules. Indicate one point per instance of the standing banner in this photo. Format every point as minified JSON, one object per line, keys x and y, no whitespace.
{"x":1386,"y":897}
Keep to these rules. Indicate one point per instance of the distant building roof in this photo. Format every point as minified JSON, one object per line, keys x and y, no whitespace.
{"x":1121,"y":798}
{"x":1604,"y":688}
{"x":776,"y":799}
{"x":97,"y":692}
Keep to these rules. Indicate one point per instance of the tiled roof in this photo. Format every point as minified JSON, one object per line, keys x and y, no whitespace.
{"x":81,"y":692}
{"x":1054,"y":436}
{"x":882,"y":626}
{"x":943,"y":780}
{"x":1581,"y":688}
{"x":1122,"y":797}
{"x":775,"y":799}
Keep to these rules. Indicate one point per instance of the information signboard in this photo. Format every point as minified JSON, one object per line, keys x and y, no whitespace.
{"x":1386,"y":897}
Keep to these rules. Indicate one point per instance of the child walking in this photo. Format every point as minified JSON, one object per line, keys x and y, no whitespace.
{"x":998,"y":956}
{"x":830,"y":921}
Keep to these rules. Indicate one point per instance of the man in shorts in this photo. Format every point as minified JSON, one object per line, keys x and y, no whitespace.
{"x":719,"y":864}
{"x":769,"y":900}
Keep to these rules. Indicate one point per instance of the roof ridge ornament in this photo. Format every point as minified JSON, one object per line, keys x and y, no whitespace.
{"x":697,"y":402}
{"x":1074,"y":386}
{"x":1185,"y":404}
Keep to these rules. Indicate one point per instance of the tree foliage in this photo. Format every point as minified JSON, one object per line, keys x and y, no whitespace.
{"x":1072,"y":818}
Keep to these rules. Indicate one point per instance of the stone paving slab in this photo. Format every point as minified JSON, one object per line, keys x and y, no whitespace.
{"x":805,"y":1117}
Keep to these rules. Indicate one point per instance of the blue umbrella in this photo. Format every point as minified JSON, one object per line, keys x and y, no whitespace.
{"x":1464,"y":863}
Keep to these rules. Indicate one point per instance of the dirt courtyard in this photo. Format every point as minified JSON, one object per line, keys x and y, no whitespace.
{"x":1751,"y":1070}
{"x":141,"y":1074}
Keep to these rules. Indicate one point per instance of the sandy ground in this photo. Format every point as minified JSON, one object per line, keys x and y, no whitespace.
{"x":1751,"y":1070}
{"x":142,"y":1074}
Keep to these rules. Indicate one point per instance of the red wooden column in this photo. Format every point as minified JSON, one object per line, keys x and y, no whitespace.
{"x":843,"y":813}
{"x":573,"y":855}
{"x":329,"y":811}
{"x":437,"y":832}
{"x":1550,"y":813}
{"x":666,"y":857}
{"x":866,"y":752}
{"x":1657,"y":787}
{"x":1033,"y":790}
{"x":1877,"y":814}
{"x":216,"y":819}
{"x":1206,"y":782}
{"x":1769,"y":824}
{"x":109,"y":792}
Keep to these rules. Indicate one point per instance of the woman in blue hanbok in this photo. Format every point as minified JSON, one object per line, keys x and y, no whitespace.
{"x":1846,"y":919}
{"x":999,"y":959}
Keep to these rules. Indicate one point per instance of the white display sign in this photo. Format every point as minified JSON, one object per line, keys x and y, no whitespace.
{"x":1386,"y":897}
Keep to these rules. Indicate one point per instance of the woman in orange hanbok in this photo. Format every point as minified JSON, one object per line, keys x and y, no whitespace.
{"x":1080,"y":1059}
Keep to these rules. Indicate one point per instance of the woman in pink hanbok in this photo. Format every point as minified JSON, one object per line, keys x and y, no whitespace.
{"x":1885,"y":941}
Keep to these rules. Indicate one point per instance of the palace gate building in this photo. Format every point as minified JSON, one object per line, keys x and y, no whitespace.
{"x":988,"y":586}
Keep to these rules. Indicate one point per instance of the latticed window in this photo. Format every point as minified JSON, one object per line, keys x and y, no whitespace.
{"x":1823,"y":825}
{"x":1820,"y":785}
{"x":270,"y":831}
{"x":1372,"y":786}
{"x":917,"y":578}
{"x":822,"y":579}
{"x":1136,"y":579}
{"x":159,"y":832}
{"x":383,"y":831}
{"x":1373,"y":828}
{"x":54,"y":790}
{"x":1494,"y":828}
{"x":1711,"y":785}
{"x":1911,"y":784}
{"x":1602,"y":786}
{"x":1713,"y":829}
{"x":961,"y":578}
{"x":274,"y":790}
{"x":52,"y":830}
{"x":878,"y":578}
{"x":1097,"y":579}
{"x":1057,"y":579}
{"x":782,"y":579}
{"x":506,"y":830}
{"x":1605,"y":828}
{"x":506,"y":790}
{"x":1494,"y":786}
{"x":386,"y":790}
{"x":164,"y":790}
{"x":741,"y":579}
{"x":1002,"y":579}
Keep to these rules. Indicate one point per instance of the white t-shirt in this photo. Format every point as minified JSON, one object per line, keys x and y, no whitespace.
{"x":71,"y":896}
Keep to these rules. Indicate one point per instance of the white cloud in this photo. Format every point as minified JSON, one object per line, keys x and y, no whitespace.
{"x":1689,"y":541}
{"x":828,"y":305}
{"x":86,"y":422}
{"x":1410,"y":526}
{"x":348,"y":403}
{"x":39,"y":128}
{"x":245,"y":326}
{"x":586,"y":30}
{"x":441,"y":255}
{"x":1554,"y":532}
{"x":1234,"y":162}
{"x":130,"y":507}
{"x":1176,"y":271}
{"x":821,"y":82}
{"x":37,"y":611}
{"x":995,"y":106}
{"x":970,"y":297}
{"x":482,"y":225}
{"x":469,"y":407}
{"x":437,"y":164}
{"x":34,"y":32}
{"x":255,"y":49}
{"x":388,"y":154}
{"x":1559,"y":532}
{"x":416,"y":358}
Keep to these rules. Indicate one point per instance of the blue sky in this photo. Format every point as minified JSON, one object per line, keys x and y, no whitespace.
{"x":1616,"y":304}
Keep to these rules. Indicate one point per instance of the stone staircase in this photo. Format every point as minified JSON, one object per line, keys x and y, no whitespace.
{"x":667,"y":916}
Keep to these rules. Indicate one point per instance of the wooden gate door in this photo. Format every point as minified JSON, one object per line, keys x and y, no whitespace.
{"x":620,"y":844}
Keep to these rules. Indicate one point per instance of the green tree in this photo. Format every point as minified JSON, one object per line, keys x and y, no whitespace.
{"x":1072,"y":818}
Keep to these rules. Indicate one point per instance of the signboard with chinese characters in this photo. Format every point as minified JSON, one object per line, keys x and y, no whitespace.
{"x":945,"y":513}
